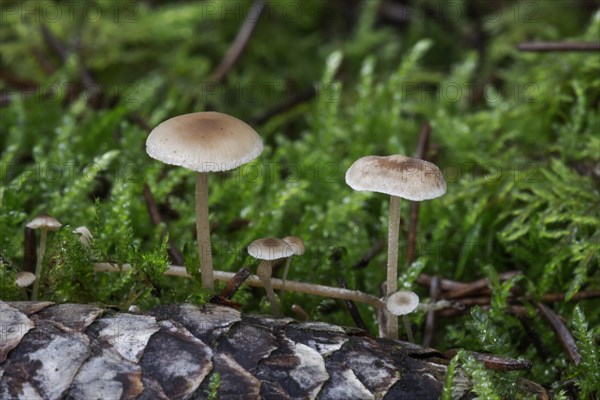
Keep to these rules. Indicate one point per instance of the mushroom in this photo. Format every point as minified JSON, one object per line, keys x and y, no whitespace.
{"x":45,"y":223}
{"x":400,"y":177}
{"x":85,"y":236}
{"x":204,"y":142}
{"x":297,"y":248}
{"x":267,"y":250}
{"x":402,"y":303}
{"x":24,"y":279}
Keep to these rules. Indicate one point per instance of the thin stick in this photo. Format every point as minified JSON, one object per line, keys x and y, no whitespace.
{"x":352,"y":309}
{"x":304,"y":96}
{"x":564,"y":335}
{"x":473,"y":287}
{"x":203,"y":231}
{"x":239,"y":43}
{"x":495,"y":363}
{"x":369,"y":255}
{"x":559,"y":46}
{"x":253,"y":280}
{"x":445,"y":284}
{"x":235,"y":283}
{"x":392,"y":264}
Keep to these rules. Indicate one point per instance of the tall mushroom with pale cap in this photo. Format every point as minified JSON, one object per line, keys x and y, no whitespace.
{"x":400,"y":177}
{"x":46,"y":223}
{"x":204,"y":142}
{"x":267,"y":250}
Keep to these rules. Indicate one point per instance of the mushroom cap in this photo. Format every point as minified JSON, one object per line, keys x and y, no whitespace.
{"x":402,"y":302}
{"x":397,"y":175}
{"x":44,"y":221}
{"x":204,"y":142}
{"x":270,"y":249}
{"x":296,"y":243}
{"x":85,"y":236}
{"x":24,"y":279}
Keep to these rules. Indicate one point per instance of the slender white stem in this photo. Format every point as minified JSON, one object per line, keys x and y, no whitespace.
{"x":253,"y":280}
{"x":38,"y":264}
{"x":408,"y":329}
{"x":284,"y":276}
{"x":203,"y":231}
{"x":392,"y":264}
{"x":264,"y":272}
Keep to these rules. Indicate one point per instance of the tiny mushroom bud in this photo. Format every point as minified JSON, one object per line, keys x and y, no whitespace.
{"x":24,"y":279}
{"x":399,"y":177}
{"x":204,"y":142}
{"x":267,"y":250}
{"x":85,"y":236}
{"x":297,"y":249}
{"x":45,"y":223}
{"x":402,"y":303}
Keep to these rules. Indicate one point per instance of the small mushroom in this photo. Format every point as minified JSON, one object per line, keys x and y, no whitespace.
{"x":402,"y":303}
{"x":297,"y":249}
{"x":24,"y":279}
{"x":400,"y":177}
{"x":204,"y":142}
{"x":267,"y":250}
{"x":85,"y":236}
{"x":45,"y":223}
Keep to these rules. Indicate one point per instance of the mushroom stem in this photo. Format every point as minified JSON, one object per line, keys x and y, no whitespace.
{"x":264,"y":272}
{"x":38,"y":265}
{"x":284,"y":276}
{"x":203,"y":231}
{"x":392,"y":263}
{"x":408,"y":329}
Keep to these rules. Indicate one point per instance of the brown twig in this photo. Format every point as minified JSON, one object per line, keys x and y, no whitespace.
{"x":558,"y":46}
{"x":554,"y":297}
{"x":476,"y":286}
{"x":63,"y":53}
{"x":156,"y":219}
{"x":304,"y":96}
{"x":430,"y":319}
{"x":352,"y":309}
{"x":235,"y":283}
{"x":445,"y":284}
{"x":377,"y":247}
{"x":413,"y":220}
{"x":495,"y":363}
{"x":564,"y":335}
{"x":239,"y":43}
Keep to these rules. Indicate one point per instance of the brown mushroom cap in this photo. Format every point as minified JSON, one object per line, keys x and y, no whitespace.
{"x":270,"y":249}
{"x":24,"y":279}
{"x":44,"y":221}
{"x":296,"y":243}
{"x":397,"y":175}
{"x":204,"y":142}
{"x":402,"y":302}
